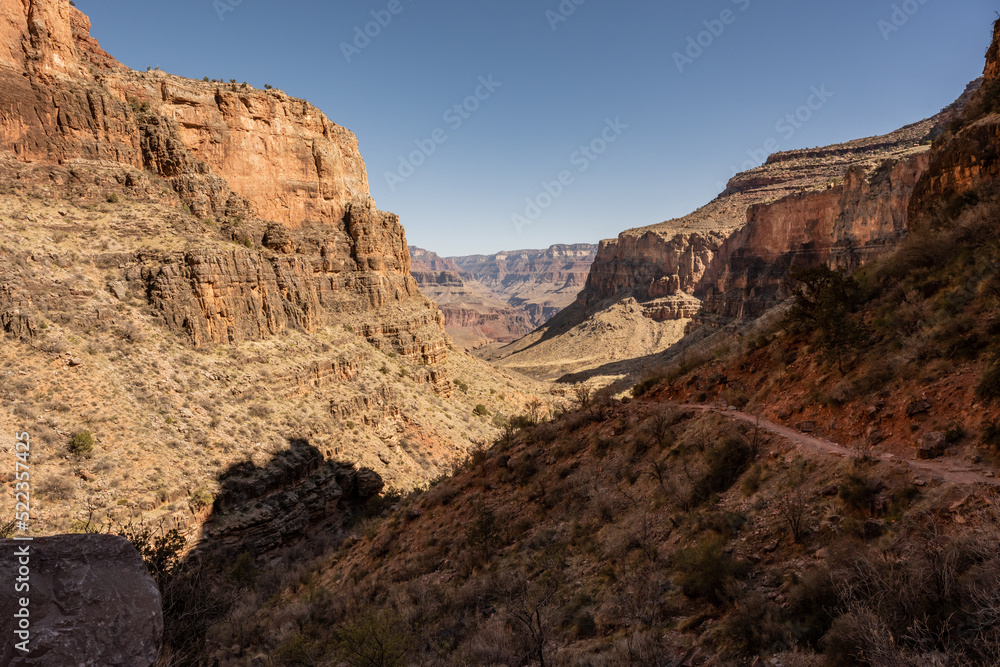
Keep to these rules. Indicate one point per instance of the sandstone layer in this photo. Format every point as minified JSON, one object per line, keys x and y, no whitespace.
{"x":473,"y":316}
{"x":538,"y":283}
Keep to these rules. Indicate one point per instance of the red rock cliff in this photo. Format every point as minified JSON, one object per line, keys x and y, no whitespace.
{"x":274,"y":172}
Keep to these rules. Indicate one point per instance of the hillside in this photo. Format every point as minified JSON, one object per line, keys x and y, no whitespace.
{"x":815,"y":488}
{"x":192,"y":276}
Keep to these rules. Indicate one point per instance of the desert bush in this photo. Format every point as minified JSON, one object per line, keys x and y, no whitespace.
{"x":703,"y":570}
{"x":988,"y":388}
{"x":480,"y":410}
{"x":642,"y":388}
{"x":753,"y":627}
{"x":81,"y":443}
{"x":812,"y":605}
{"x":725,"y":462}
{"x":56,"y":487}
{"x":374,"y":637}
{"x":859,"y":493}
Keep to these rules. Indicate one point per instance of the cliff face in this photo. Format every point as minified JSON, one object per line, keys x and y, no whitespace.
{"x":843,"y":226}
{"x":273,"y":172}
{"x":965,"y":157}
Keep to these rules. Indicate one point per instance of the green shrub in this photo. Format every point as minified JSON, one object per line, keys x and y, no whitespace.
{"x":480,"y":411}
{"x":645,"y":386}
{"x":113,"y":198}
{"x":858,"y":493}
{"x":81,"y":443}
{"x":703,"y":570}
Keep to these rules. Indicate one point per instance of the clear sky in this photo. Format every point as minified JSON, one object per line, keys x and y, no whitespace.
{"x":564,"y":73}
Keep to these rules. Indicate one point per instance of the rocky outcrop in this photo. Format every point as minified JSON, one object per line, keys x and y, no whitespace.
{"x":965,"y":157}
{"x":261,"y":508}
{"x":649,"y":266}
{"x":92,"y":602}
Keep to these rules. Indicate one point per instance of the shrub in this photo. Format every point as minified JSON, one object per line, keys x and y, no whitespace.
{"x":703,"y":570}
{"x":988,"y":388}
{"x":81,"y":443}
{"x":374,"y":638}
{"x":753,"y":628}
{"x":859,"y":493}
{"x":113,"y":198}
{"x":57,"y":488}
{"x":726,"y":462}
{"x":480,"y":410}
{"x":645,"y":386}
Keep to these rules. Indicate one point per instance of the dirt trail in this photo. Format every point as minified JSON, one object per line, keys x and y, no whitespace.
{"x":952,"y":471}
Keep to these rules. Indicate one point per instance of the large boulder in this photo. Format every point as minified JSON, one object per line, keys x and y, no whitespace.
{"x":91,"y":600}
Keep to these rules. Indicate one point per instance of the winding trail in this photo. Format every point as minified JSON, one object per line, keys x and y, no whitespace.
{"x":951,"y":471}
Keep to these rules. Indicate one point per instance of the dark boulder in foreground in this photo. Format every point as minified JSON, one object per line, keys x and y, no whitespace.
{"x":92,"y":602}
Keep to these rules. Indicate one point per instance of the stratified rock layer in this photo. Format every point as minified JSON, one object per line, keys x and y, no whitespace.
{"x":272,"y":172}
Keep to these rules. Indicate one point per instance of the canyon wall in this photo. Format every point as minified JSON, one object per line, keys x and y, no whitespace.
{"x":843,"y":226}
{"x":841,"y":204}
{"x":473,"y":316}
{"x":270,"y":172}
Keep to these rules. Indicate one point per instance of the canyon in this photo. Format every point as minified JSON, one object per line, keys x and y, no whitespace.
{"x":499,"y":298}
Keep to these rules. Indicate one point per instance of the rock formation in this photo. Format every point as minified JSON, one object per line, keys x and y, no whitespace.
{"x":261,"y":508}
{"x":273,"y":172}
{"x":92,"y":602}
{"x":841,"y":204}
{"x":473,"y":316}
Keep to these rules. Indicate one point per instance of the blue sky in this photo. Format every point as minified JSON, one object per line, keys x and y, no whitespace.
{"x":662,"y":131}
